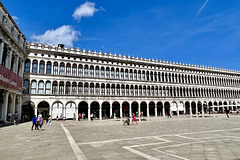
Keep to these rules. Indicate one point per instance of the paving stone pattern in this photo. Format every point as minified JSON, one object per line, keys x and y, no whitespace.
{"x":210,"y":138}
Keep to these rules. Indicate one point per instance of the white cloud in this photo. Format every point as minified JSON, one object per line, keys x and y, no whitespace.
{"x":62,"y":35}
{"x":200,"y":10}
{"x":16,"y":19}
{"x":85,"y":10}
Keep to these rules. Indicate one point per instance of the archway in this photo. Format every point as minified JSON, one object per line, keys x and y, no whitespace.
{"x":27,"y":111}
{"x":193,"y":105}
{"x":116,"y":109}
{"x":57,"y":109}
{"x":180,"y":108}
{"x":143,"y":106}
{"x":83,"y":109}
{"x":187,"y":107}
{"x":159,"y":109}
{"x":167,"y":108}
{"x":125,"y":109}
{"x":174,"y":108}
{"x":95,"y":109}
{"x":135,"y":108}
{"x":43,"y":109}
{"x":105,"y":110}
{"x":199,"y":107}
{"x":70,"y":110}
{"x":152,"y":109}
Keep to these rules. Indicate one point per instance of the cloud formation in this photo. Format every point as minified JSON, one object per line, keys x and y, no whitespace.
{"x":62,"y":35}
{"x":15,"y":18}
{"x":85,"y":10}
{"x":200,"y":10}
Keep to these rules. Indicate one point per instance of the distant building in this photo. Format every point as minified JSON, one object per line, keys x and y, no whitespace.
{"x":64,"y":82}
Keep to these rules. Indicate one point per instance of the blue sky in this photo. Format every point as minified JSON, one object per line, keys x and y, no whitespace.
{"x":205,"y":32}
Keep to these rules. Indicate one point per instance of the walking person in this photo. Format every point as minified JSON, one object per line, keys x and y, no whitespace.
{"x":227,"y":113}
{"x":34,"y":122}
{"x":41,"y":121}
{"x":134,"y":118}
{"x":91,"y":116}
{"x":79,"y":116}
{"x":49,"y":123}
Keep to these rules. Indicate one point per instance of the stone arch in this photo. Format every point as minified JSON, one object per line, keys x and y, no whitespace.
{"x":143,"y":106}
{"x":94,"y":108}
{"x":70,"y":110}
{"x":151,"y":108}
{"x":125,"y":109}
{"x":134,"y":106}
{"x":83,"y":109}
{"x":193,"y":105}
{"x":187,"y":107}
{"x":105,"y":109}
{"x":57,"y":109}
{"x":43,"y":109}
{"x":167,"y":108}
{"x":27,"y":111}
{"x":116,"y":109}
{"x":160,"y":108}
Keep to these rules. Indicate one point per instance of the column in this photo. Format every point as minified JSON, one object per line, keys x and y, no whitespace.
{"x":5,"y":106}
{"x":163,"y":110}
{"x":16,"y":65}
{"x":184,"y":108}
{"x":139,"y":112}
{"x":120,"y":111}
{"x":147,"y":110}
{"x":89,"y":110}
{"x":177,"y":109}
{"x":35,"y":110}
{"x":1,"y":50}
{"x":13,"y":104}
{"x":100,"y":112}
{"x":196,"y":108}
{"x":20,"y":108}
{"x":190,"y":109}
{"x":76,"y":112}
{"x":202,"y":109}
{"x":21,"y":70}
{"x":130,"y":110}
{"x":110,"y":110}
{"x":155,"y":111}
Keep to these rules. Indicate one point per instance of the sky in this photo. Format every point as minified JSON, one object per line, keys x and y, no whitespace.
{"x":203,"y":32}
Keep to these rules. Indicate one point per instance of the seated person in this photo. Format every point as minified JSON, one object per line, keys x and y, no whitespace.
{"x":126,"y":121}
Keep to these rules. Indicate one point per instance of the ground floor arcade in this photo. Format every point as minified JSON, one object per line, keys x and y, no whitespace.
{"x":69,"y":108}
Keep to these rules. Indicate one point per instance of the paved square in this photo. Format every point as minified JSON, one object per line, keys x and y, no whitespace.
{"x":159,"y":138}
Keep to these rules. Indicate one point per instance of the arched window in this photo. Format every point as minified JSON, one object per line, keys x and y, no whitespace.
{"x":126,"y":74}
{"x":42,"y":67}
{"x":68,"y":85}
{"x":74,"y":70}
{"x":108,"y":89}
{"x":86,"y":89}
{"x":55,"y":87}
{"x":122,"y":74}
{"x":97,"y":92}
{"x":34,"y":66}
{"x":143,"y":76}
{"x":135,"y":75}
{"x":74,"y":88}
{"x":102,"y":73}
{"x":102,"y":89}
{"x":68,"y":69}
{"x":91,"y":71}
{"x":112,"y":73}
{"x":80,"y":88}
{"x":49,"y":67}
{"x":55,"y":68}
{"x":26,"y":85}
{"x":40,"y":87}
{"x":117,"y":73}
{"x":61,"y":88}
{"x":130,"y":75}
{"x":97,"y":72}
{"x":33,"y":87}
{"x":80,"y":70}
{"x":91,"y":89}
{"x":48,"y":87}
{"x":62,"y":66}
{"x":27,"y":66}
{"x":107,"y":73}
{"x":86,"y":71}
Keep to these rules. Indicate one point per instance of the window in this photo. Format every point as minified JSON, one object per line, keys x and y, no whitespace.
{"x":86,"y":90}
{"x":107,"y":73}
{"x":61,"y":88}
{"x":74,"y":70}
{"x":102,"y":73}
{"x":42,"y":66}
{"x":55,"y":86}
{"x":68,"y":69}
{"x":86,"y":71}
{"x":48,"y":87}
{"x":131,"y":75}
{"x":74,"y":88}
{"x":112,"y":74}
{"x":135,"y":75}
{"x":62,"y":68}
{"x":34,"y":66}
{"x":55,"y":68}
{"x":102,"y":90}
{"x":80,"y":71}
{"x":122,"y":75}
{"x":143,"y":76}
{"x":27,"y":66}
{"x":49,"y":67}
{"x":33,"y":87}
{"x":26,"y":85}
{"x":91,"y":72}
{"x":80,"y":88}
{"x":97,"y":72}
{"x":126,"y":75}
{"x":68,"y":88}
{"x":117,"y":74}
{"x":40,"y":87}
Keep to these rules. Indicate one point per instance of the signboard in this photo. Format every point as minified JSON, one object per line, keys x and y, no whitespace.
{"x":10,"y":79}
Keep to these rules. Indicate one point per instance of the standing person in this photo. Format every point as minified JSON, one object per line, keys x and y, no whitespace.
{"x":79,"y":116}
{"x":227,"y":113}
{"x":134,"y":118}
{"x":57,"y":117}
{"x":40,"y":123}
{"x":169,"y":115}
{"x":91,"y":116}
{"x":83,"y":115}
{"x":34,"y":122}
{"x":49,"y":123}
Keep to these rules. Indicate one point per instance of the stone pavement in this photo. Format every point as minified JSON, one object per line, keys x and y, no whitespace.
{"x":159,"y":138}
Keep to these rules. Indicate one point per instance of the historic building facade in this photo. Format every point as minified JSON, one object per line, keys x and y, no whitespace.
{"x":62,"y":81}
{"x":12,"y":58}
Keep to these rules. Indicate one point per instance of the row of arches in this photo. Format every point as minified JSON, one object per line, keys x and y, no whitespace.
{"x":80,"y":70}
{"x":74,"y":88}
{"x":119,"y":109}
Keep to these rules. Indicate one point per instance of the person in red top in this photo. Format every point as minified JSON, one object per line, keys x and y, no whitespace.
{"x":134,"y":118}
{"x":79,"y":116}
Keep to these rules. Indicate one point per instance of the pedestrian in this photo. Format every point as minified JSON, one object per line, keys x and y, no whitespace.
{"x":83,"y":115}
{"x":227,"y":113}
{"x":79,"y":116}
{"x":57,"y":117}
{"x":49,"y":123}
{"x":169,"y":115}
{"x":134,"y":118}
{"x":40,"y":123}
{"x":34,"y":122}
{"x":91,"y":116}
